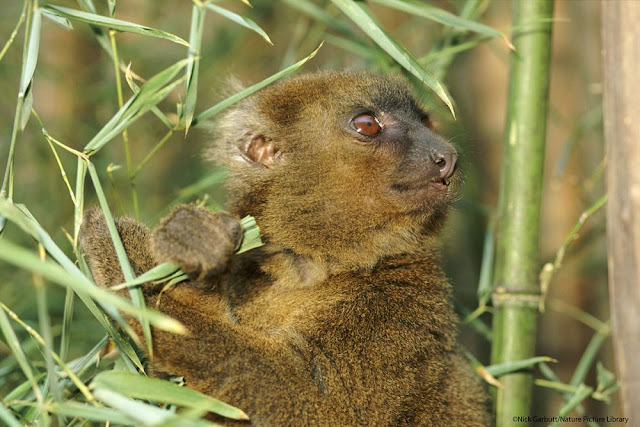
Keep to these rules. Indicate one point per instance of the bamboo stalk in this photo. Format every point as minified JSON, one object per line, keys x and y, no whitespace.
{"x":516,"y":291}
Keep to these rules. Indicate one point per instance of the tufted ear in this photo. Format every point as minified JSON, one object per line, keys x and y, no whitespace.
{"x":262,"y":150}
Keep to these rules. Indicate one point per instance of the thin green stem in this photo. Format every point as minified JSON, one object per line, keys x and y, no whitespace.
{"x":7,"y":183}
{"x":549,"y":269}
{"x":125,"y":133}
{"x":45,"y":326}
{"x":148,"y":157}
{"x":14,"y":33}
{"x":76,"y":381}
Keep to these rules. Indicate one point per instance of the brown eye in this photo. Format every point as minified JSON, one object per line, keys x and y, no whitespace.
{"x":366,"y":124}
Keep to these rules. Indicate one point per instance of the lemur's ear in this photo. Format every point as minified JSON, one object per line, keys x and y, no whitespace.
{"x":262,"y":150}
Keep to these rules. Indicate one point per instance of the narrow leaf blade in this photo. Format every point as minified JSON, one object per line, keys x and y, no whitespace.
{"x":141,"y":387}
{"x":251,"y":89}
{"x":238,"y":19}
{"x":439,"y":15}
{"x":112,"y":23}
{"x":402,"y":56}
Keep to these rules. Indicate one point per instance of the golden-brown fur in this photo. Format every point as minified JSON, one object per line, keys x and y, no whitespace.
{"x":343,"y":317}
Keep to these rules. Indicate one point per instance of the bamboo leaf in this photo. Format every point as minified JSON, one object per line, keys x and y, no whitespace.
{"x":195,"y":39}
{"x":582,"y":392}
{"x":150,"y":94}
{"x":26,"y":107}
{"x":238,"y":19}
{"x":251,"y":89}
{"x":215,"y":177}
{"x":318,"y":14}
{"x":20,"y":216}
{"x":141,"y":387}
{"x":14,"y":345}
{"x":31,"y":55}
{"x":46,"y":349}
{"x":29,"y":68}
{"x":26,"y":260}
{"x":20,"y":391}
{"x":87,"y":5}
{"x":129,"y":77}
{"x":605,"y":377}
{"x":439,"y":15}
{"x":171,"y":272}
{"x":251,"y":238}
{"x":589,"y":355}
{"x":60,"y":20}
{"x":157,"y":273}
{"x":142,"y":413}
{"x":112,"y":23}
{"x":92,"y":356}
{"x":367,"y":23}
{"x":505,"y":368}
{"x":73,"y":409}
{"x":7,"y":416}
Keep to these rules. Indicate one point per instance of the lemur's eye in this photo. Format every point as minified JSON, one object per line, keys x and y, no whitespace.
{"x":366,"y":124}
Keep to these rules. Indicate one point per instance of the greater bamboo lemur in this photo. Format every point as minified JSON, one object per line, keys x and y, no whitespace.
{"x":343,"y":317}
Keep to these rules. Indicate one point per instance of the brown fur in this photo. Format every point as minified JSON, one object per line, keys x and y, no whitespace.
{"x":343,"y":317}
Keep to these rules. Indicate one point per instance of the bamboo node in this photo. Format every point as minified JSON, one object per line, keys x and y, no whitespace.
{"x":501,"y":297}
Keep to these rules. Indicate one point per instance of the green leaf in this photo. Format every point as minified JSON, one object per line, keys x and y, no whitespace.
{"x":141,"y":387}
{"x":251,"y":89}
{"x":195,"y":38}
{"x":215,"y":177}
{"x":30,"y":59}
{"x":171,"y":272}
{"x":157,"y":273}
{"x":14,"y":345}
{"x":92,"y":413}
{"x":582,"y":392}
{"x":150,"y":94}
{"x":245,"y":22}
{"x":26,"y":107}
{"x":251,"y":238}
{"x":505,"y":368}
{"x":60,"y":20}
{"x":367,"y":23}
{"x":20,"y":391}
{"x":605,"y":377}
{"x":27,"y":260}
{"x":112,"y":23}
{"x":21,"y":216}
{"x":7,"y":416}
{"x":135,"y":89}
{"x":87,"y":5}
{"x":142,"y":413}
{"x":31,"y":55}
{"x":439,"y":15}
{"x":318,"y":14}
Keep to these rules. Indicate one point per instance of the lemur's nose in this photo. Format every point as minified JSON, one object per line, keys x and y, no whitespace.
{"x":446,"y":162}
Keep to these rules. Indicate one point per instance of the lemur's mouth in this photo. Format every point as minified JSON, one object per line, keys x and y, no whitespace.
{"x":440,"y":182}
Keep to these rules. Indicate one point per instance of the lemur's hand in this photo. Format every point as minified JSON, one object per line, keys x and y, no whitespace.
{"x":198,"y":240}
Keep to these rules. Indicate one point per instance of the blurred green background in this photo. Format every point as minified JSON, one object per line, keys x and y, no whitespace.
{"x":74,"y":95}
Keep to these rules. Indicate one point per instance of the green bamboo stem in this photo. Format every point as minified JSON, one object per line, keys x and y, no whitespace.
{"x":516,"y":292}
